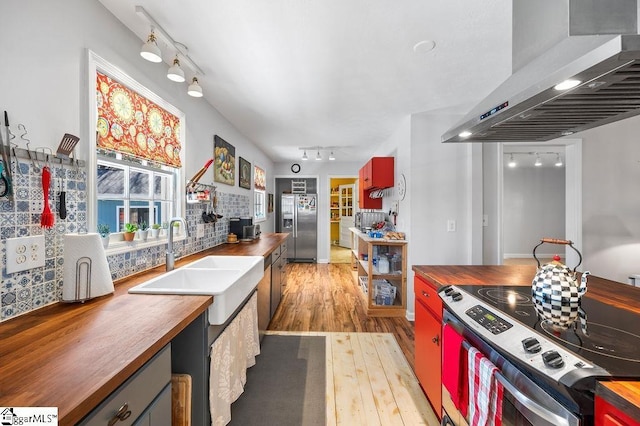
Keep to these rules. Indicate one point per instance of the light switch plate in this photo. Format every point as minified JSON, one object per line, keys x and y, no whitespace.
{"x":200,"y":231}
{"x":25,"y":253}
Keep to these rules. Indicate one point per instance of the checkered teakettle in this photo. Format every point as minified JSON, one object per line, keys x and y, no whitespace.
{"x":556,"y":292}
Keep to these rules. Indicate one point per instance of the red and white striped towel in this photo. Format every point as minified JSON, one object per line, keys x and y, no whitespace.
{"x":485,"y":392}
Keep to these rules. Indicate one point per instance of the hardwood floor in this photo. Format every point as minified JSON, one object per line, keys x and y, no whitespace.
{"x":324,"y":297}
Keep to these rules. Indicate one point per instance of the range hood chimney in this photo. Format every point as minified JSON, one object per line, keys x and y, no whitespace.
{"x":593,"y":42}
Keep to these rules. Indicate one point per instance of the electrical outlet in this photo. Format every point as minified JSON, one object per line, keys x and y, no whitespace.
{"x":25,"y":253}
{"x":200,"y":230}
{"x":451,"y":225}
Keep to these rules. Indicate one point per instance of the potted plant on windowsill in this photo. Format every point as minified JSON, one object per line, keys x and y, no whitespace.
{"x":104,"y":231}
{"x":129,"y":231}
{"x":143,"y":230}
{"x":155,"y":230}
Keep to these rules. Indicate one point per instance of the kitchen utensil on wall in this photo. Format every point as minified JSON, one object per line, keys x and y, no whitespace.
{"x":62,"y":212}
{"x":6,"y":157}
{"x":200,"y":172}
{"x":556,"y":292}
{"x":66,"y":146}
{"x":47,"y":219}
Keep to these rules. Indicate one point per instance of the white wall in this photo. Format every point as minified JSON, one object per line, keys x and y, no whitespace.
{"x":43,"y":83}
{"x":534,"y":207}
{"x":611,"y":200}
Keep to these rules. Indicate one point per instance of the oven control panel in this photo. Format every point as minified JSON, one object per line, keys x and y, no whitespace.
{"x":488,"y":320}
{"x":500,"y":330}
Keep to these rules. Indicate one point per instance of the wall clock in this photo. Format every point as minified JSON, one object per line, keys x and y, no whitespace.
{"x":402,"y":187}
{"x":295,"y":168}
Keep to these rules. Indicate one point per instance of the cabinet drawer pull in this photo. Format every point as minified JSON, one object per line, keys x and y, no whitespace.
{"x":424,"y":293}
{"x":436,"y":340}
{"x":123,"y":414}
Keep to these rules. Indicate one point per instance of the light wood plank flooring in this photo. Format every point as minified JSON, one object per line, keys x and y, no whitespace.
{"x":369,"y":382}
{"x":370,"y":378}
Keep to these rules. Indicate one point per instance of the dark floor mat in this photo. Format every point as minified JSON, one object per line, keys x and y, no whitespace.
{"x":287,"y":384}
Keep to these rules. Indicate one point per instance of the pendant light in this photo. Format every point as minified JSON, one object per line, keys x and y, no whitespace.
{"x":331,"y":156}
{"x":175,"y":73}
{"x":304,"y":156}
{"x":194,"y":89}
{"x":150,"y":50}
{"x":558,"y":161}
{"x":512,"y":162}
{"x":318,"y":156}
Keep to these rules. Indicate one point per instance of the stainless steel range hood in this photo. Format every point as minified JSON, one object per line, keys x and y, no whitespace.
{"x":527,"y":107}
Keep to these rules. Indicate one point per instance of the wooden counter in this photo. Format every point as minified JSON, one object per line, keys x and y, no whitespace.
{"x":624,"y":395}
{"x":72,"y":356}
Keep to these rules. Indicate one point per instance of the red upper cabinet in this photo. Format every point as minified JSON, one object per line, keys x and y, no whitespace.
{"x":378,"y":173}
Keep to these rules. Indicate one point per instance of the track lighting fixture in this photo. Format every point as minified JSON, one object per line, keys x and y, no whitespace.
{"x":317,"y":149}
{"x":150,"y":50}
{"x":304,"y":156}
{"x":175,"y":73}
{"x":194,"y":89}
{"x":318,"y":156}
{"x":331,"y":156}
{"x":538,"y":162}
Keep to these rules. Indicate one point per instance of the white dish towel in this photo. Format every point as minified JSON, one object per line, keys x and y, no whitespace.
{"x":485,"y":392}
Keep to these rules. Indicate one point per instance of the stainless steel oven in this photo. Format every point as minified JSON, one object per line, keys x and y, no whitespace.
{"x":549,"y":374}
{"x":524,"y":402}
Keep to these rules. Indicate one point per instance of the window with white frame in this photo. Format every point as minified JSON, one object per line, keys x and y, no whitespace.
{"x":139,"y":140}
{"x":259,"y":205}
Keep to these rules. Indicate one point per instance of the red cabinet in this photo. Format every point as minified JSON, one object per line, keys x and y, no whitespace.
{"x":428,"y":336}
{"x":378,"y":173}
{"x":607,"y":414}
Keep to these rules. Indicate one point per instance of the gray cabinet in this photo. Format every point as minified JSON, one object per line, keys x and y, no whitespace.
{"x":278,"y":275}
{"x":141,"y":398}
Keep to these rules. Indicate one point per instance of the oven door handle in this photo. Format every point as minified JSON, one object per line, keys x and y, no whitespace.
{"x":530,"y":404}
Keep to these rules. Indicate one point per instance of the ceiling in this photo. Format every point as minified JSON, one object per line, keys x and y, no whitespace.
{"x":333,"y":73}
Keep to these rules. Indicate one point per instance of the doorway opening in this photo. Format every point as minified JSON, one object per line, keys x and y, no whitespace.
{"x":342,"y":210}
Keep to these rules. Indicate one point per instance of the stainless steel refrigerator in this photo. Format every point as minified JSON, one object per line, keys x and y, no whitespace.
{"x":299,"y":217}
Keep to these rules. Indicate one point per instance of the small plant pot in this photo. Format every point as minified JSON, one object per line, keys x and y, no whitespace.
{"x":128,"y":236}
{"x":105,"y":242}
{"x":155,"y":233}
{"x":144,"y":234}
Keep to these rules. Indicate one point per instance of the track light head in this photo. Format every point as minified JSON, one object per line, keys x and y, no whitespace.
{"x":331,"y":156}
{"x":304,"y":156}
{"x":538,"y":162}
{"x":150,"y":50}
{"x":318,"y":156}
{"x":512,"y":162}
{"x":194,"y":89}
{"x":558,"y":161}
{"x":175,"y":73}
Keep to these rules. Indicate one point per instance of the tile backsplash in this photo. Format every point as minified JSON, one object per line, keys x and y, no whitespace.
{"x":25,"y":291}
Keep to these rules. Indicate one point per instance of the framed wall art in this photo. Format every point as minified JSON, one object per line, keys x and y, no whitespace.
{"x":224,"y":165}
{"x":245,"y":174}
{"x":259,"y":178}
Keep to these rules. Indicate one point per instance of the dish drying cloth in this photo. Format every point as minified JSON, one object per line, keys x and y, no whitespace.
{"x":485,"y":392}
{"x":454,"y":364}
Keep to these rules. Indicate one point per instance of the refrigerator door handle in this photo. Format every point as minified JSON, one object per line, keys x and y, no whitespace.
{"x":295,"y":219}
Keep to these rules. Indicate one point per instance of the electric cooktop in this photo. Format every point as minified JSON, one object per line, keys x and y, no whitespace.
{"x":609,"y":338}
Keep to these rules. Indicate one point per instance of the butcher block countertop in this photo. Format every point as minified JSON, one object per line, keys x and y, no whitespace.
{"x":624,"y":395}
{"x":72,"y":356}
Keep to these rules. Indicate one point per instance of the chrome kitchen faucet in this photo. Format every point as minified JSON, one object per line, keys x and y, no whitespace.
{"x":170,"y":256}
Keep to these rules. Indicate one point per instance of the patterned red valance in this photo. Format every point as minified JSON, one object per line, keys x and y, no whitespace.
{"x":132,"y":124}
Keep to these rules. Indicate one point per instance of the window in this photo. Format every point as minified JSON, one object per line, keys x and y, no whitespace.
{"x":134,"y":192}
{"x":136,"y":170}
{"x":259,"y":206}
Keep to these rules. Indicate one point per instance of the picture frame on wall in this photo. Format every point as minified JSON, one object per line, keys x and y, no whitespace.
{"x":270,"y":204}
{"x":224,"y":165}
{"x":244,"y":172}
